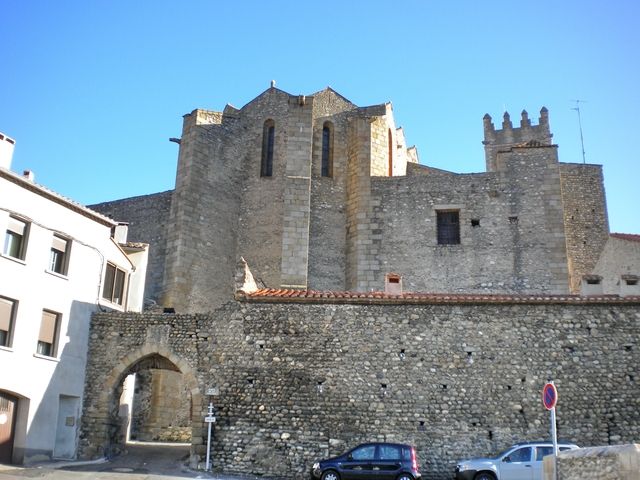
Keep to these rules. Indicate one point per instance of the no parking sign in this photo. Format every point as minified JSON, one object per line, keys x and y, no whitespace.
{"x":549,"y":396}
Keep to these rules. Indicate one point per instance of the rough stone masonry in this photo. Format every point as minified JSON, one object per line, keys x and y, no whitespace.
{"x":304,"y":376}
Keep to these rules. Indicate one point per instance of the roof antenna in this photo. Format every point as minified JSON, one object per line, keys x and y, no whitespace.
{"x":577,"y":109}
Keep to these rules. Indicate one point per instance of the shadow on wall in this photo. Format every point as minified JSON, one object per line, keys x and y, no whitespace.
{"x":47,"y":426}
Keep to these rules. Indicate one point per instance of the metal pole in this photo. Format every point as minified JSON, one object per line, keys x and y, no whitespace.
{"x":577,"y":109}
{"x":554,"y":436}
{"x":206,"y":467}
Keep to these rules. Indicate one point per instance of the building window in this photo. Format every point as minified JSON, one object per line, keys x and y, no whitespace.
{"x":448,"y":227}
{"x":48,"y":337}
{"x":59,"y":258}
{"x":15,"y":241}
{"x":114,"y":284}
{"x":390,"y":154}
{"x":327,"y":150}
{"x":7,"y":316}
{"x":268,"y":141}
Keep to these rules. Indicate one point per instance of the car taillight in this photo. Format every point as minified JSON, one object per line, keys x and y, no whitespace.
{"x":414,"y":460}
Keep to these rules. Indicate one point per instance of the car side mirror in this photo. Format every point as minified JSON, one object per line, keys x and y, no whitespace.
{"x":506,"y":459}
{"x":349,"y":457}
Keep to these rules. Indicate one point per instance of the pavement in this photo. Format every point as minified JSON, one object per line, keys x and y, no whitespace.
{"x":142,"y":461}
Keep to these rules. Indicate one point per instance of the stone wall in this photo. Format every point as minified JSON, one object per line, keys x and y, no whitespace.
{"x":161,"y":410}
{"x":298,"y":381}
{"x":511,"y":230}
{"x":147,"y":216}
{"x":327,"y":232}
{"x":204,"y":214}
{"x":585,"y":218}
{"x":528,"y":225}
{"x":508,"y":136}
{"x":620,"y":462}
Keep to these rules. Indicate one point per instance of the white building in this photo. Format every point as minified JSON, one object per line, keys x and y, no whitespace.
{"x":59,"y":263}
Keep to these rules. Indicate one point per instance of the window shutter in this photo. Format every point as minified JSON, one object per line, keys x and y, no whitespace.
{"x":6,"y":309}
{"x":59,"y":244}
{"x":48,"y":327}
{"x":16,"y":226}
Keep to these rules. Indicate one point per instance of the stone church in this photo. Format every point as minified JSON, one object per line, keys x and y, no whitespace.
{"x":377,"y":298}
{"x":318,"y":193}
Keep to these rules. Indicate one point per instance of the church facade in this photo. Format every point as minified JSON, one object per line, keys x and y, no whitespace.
{"x":318,"y":193}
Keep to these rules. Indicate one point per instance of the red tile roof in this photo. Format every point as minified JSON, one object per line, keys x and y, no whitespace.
{"x":626,"y":236}
{"x":273,"y":295}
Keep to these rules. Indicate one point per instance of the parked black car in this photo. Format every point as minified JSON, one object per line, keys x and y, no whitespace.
{"x":379,"y":461}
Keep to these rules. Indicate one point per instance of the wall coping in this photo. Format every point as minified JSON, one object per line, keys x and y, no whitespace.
{"x":272,"y":295}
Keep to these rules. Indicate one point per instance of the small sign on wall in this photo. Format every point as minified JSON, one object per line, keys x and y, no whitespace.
{"x":70,"y":421}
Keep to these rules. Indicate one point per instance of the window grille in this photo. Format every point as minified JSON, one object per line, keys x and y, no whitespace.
{"x":448,"y":228}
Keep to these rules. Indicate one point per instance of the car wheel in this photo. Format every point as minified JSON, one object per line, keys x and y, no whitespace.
{"x":485,"y":476}
{"x":330,"y":475}
{"x":405,"y":476}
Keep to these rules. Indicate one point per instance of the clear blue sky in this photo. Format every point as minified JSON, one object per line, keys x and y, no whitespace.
{"x":92,"y":90}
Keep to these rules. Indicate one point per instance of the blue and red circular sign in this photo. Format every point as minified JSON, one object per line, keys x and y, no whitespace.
{"x":549,"y":396}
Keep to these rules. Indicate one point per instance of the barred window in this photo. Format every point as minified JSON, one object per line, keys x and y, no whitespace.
{"x":448,"y":227}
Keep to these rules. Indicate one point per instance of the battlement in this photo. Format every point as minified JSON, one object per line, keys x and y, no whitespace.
{"x":497,"y":139}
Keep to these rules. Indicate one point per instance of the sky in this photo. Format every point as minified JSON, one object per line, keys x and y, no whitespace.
{"x":92,"y":90}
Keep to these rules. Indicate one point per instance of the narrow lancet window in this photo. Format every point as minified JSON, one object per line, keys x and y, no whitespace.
{"x":268,"y":141}
{"x":327,"y":150}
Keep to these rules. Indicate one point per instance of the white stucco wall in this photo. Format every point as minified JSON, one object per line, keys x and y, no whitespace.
{"x":49,"y":385}
{"x":619,"y":257}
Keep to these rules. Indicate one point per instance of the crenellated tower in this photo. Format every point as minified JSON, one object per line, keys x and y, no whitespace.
{"x":508,"y":136}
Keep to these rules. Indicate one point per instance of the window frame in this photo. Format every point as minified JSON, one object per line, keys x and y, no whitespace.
{"x":52,"y":351}
{"x":12,"y":232}
{"x":58,"y":259}
{"x":508,"y":458}
{"x":364,"y":448}
{"x":112,"y":282}
{"x":268,"y":148}
{"x":448,"y":233}
{"x":8,"y":335}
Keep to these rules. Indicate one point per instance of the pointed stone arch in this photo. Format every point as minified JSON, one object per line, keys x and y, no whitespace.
{"x":108,"y":431}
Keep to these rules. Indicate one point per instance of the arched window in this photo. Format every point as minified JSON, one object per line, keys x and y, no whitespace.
{"x":390,"y":154}
{"x":327,"y":150}
{"x":268,"y":141}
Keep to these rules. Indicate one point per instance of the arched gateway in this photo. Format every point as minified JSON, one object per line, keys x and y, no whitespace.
{"x":104,"y":430}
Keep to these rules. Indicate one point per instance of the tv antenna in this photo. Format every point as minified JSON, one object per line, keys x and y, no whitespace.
{"x":577,"y":109}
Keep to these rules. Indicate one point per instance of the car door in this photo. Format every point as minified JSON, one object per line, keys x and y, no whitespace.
{"x":541,"y":452}
{"x":517,"y":465}
{"x":388,"y":462}
{"x":359,"y":463}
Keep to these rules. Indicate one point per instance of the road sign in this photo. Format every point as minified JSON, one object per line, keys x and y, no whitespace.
{"x":549,"y":396}
{"x":210,"y":419}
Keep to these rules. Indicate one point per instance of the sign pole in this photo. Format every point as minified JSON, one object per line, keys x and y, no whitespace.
{"x":549,"y":400}
{"x":209,"y":421}
{"x":554,"y":436}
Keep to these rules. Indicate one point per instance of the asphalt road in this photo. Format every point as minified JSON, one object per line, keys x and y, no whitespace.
{"x":143,"y":461}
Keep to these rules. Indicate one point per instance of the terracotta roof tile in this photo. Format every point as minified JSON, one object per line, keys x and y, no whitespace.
{"x":274,"y":295}
{"x":626,"y":236}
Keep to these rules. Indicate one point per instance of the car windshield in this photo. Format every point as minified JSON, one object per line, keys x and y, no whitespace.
{"x":502,"y":453}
